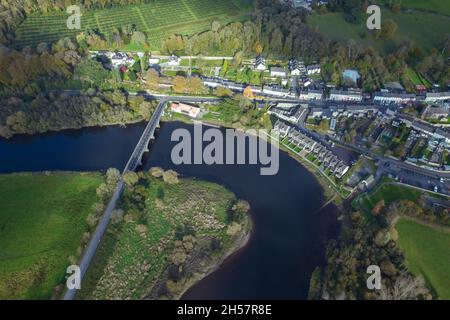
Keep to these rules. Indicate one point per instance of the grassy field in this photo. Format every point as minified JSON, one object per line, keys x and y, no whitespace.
{"x":389,"y":193}
{"x":159,"y":19}
{"x":136,"y":251}
{"x":427,"y":253}
{"x":438,"y":6}
{"x":42,"y":220}
{"x":417,"y":79}
{"x":410,"y":26}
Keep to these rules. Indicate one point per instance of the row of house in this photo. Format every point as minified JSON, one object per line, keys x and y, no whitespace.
{"x":437,"y":96}
{"x":354,"y":95}
{"x":404,"y":98}
{"x":343,"y":111}
{"x":426,"y":128}
{"x":328,"y":160}
{"x":389,"y":97}
{"x":296,"y":68}
{"x":287,"y":112}
{"x":435,"y":112}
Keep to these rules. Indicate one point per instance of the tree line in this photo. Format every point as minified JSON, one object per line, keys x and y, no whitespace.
{"x":56,"y":111}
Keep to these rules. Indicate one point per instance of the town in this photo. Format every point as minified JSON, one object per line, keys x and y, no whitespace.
{"x":314,"y":116}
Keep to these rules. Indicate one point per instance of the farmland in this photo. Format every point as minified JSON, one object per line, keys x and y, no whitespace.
{"x":42,"y":221}
{"x":427,"y":253}
{"x":410,"y":27}
{"x":158,"y":19}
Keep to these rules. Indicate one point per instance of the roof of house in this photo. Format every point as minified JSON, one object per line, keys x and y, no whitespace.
{"x":277,"y":69}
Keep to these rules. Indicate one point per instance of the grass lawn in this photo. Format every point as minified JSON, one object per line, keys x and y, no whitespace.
{"x":427,"y":252}
{"x":159,"y":19}
{"x":438,"y":6}
{"x":389,"y":193}
{"x":415,"y":79}
{"x":42,"y":220}
{"x":410,"y":26}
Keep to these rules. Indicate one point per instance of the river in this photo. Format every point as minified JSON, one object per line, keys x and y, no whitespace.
{"x":290,"y":227}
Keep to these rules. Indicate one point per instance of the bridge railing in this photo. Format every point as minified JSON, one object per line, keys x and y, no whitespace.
{"x":142,"y":144}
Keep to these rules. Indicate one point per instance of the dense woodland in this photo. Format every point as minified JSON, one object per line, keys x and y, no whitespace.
{"x":56,"y":111}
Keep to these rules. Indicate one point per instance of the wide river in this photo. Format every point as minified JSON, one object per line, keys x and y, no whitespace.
{"x":290,"y":227}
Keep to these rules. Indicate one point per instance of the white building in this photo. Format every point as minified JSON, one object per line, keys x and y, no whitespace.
{"x":437,"y":96}
{"x":174,"y":61}
{"x":313,"y":69}
{"x":278,"y":92}
{"x":153,"y":61}
{"x":387,"y":97}
{"x":260,"y":64}
{"x":350,"y":95}
{"x":315,"y":94}
{"x":296,"y":68}
{"x":119,"y":59}
{"x":277,"y":72}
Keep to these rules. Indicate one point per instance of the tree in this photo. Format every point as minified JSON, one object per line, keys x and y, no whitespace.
{"x":196,"y":85}
{"x":130,"y":178}
{"x":170,"y":177}
{"x":146,"y":110}
{"x":112,"y":177}
{"x":258,"y":48}
{"x":139,"y":37}
{"x":223,"y":92}
{"x":405,"y":287}
{"x":388,"y":29}
{"x":378,"y":207}
{"x":152,"y":78}
{"x":215,"y":26}
{"x":179,"y":84}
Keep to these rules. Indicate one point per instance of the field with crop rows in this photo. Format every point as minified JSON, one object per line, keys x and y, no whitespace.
{"x":159,"y":19}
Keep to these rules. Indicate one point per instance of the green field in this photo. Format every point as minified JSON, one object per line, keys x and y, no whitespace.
{"x":389,"y":193}
{"x":42,"y":220}
{"x":427,"y":30}
{"x":427,"y":252}
{"x":159,"y":19}
{"x":438,"y":6}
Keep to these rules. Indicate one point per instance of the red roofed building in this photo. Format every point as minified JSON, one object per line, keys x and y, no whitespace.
{"x":186,"y":109}
{"x":421,"y":88}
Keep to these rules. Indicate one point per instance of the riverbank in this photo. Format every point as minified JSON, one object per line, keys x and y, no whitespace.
{"x":203,"y":268}
{"x":167,"y":234}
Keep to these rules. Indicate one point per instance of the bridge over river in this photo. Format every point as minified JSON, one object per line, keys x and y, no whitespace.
{"x":132,"y":165}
